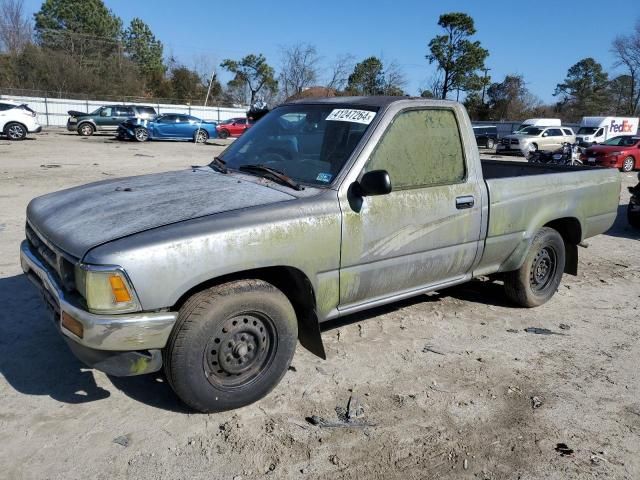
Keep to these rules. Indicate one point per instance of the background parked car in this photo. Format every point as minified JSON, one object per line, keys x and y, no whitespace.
{"x":620,"y":152}
{"x":486,"y":136}
{"x":532,"y":139}
{"x":17,"y":119}
{"x":107,"y":118}
{"x":234,"y":127}
{"x":170,"y":126}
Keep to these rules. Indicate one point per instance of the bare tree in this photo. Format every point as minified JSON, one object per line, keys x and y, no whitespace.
{"x":15,"y":27}
{"x":340,"y":70}
{"x":394,"y":79}
{"x":299,"y":68}
{"x":433,"y":87}
{"x":626,"y":49}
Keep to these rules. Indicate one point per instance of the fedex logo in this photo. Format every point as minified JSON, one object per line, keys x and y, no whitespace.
{"x":624,"y":127}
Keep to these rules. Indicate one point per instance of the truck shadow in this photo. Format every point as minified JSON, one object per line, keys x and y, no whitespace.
{"x":621,"y":227}
{"x":35,"y":360}
{"x":487,"y":292}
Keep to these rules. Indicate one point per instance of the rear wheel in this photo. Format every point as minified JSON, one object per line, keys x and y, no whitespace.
{"x":223,"y":133}
{"x":201,"y":136}
{"x":141,"y":134}
{"x":231,"y":345}
{"x":490,"y":143}
{"x":628,"y":164}
{"x":15,"y":131}
{"x":536,"y":281}
{"x":86,"y":129}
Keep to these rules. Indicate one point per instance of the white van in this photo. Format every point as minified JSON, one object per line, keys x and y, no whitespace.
{"x":598,"y":129}
{"x":539,"y":122}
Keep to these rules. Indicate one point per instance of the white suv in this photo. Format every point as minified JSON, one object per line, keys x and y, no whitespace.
{"x":17,"y":119}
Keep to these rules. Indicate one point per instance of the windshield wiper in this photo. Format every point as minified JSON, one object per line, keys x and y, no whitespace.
{"x":219,"y":165}
{"x":272,"y":173}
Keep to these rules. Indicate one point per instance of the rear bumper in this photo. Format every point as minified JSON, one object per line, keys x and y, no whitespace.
{"x":36,"y":129}
{"x":122,"y":345}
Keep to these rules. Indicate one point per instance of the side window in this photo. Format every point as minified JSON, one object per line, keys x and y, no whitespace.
{"x":421,"y":148}
{"x":241,"y":121}
{"x":5,"y":106}
{"x":554,"y":132}
{"x":567,"y":132}
{"x":599,"y":132}
{"x":106,"y":112}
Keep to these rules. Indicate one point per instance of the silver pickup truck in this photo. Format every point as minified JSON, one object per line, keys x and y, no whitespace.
{"x":324,"y":208}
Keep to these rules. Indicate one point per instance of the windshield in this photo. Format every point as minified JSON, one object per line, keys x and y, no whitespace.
{"x":623,"y":141}
{"x":587,"y":130}
{"x":530,"y":131}
{"x":309,"y":143}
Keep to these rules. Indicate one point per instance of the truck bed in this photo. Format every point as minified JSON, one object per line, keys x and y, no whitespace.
{"x":505,"y":168}
{"x":524,"y":197}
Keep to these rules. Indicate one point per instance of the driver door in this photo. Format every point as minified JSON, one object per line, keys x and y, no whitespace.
{"x":425,"y":232}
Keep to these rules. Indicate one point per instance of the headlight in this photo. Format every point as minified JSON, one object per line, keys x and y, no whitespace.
{"x":105,"y":289}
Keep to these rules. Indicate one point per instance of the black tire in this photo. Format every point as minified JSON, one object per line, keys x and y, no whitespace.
{"x":628,"y":164}
{"x":490,"y":143}
{"x":223,"y":134}
{"x":141,"y":134}
{"x":208,"y":360}
{"x":633,"y":217}
{"x":535,"y":282}
{"x":86,"y":129}
{"x":15,"y":131}
{"x":201,"y":136}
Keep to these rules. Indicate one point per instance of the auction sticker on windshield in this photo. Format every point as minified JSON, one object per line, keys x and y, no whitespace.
{"x":351,"y":115}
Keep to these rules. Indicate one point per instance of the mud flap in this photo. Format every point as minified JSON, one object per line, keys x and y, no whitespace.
{"x":310,"y":337}
{"x":571,"y":259}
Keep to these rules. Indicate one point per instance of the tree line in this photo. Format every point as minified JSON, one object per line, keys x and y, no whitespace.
{"x":74,"y":47}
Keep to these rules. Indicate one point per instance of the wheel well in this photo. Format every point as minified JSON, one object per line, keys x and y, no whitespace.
{"x":290,"y":281}
{"x":571,"y":232}
{"x":6,"y":127}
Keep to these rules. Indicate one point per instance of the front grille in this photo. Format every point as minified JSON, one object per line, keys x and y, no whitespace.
{"x":505,"y":141}
{"x":61,"y":266}
{"x":514,"y":141}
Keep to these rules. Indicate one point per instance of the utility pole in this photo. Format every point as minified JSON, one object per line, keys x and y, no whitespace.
{"x":484,"y":82}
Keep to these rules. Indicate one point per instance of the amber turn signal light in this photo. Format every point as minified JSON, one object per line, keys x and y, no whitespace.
{"x":71,"y":324}
{"x":119,"y":289}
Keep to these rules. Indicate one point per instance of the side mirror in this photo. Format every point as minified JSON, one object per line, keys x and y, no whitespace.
{"x":545,"y":134}
{"x":375,"y":182}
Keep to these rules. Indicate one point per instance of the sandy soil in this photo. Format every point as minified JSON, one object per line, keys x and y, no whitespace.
{"x":445,"y":381}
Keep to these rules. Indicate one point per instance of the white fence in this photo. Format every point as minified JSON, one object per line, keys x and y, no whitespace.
{"x":53,"y":111}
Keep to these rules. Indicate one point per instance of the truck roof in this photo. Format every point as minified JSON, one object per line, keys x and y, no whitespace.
{"x":371,"y":101}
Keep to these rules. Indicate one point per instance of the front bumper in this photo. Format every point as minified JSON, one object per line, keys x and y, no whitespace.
{"x":126,"y":344}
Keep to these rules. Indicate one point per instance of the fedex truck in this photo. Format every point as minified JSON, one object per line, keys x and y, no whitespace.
{"x":598,"y":129}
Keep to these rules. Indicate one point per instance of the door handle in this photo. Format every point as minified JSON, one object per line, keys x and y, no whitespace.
{"x":464,"y":202}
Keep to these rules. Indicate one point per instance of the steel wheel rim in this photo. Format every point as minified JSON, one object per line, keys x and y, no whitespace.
{"x":543,"y":269}
{"x":15,"y":132}
{"x":240,"y":350}
{"x":141,"y":134}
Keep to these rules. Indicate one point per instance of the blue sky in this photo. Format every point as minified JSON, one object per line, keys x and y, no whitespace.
{"x":538,"y":39}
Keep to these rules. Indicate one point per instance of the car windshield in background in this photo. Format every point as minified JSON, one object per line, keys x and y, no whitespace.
{"x":308,"y":143}
{"x":587,"y":130}
{"x":531,"y":131}
{"x":621,"y":141}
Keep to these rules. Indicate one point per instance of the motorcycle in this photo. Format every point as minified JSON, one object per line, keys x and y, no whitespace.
{"x":633,"y":209}
{"x":568,"y":154}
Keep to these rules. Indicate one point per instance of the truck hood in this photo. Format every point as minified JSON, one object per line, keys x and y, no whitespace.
{"x":80,"y":218}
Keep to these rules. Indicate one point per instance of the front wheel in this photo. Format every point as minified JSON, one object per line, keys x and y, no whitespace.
{"x":201,"y":136}
{"x":141,"y":134}
{"x":223,"y":134}
{"x":231,"y":345}
{"x":490,"y":143}
{"x":628,"y":164}
{"x":15,"y":131}
{"x":536,"y":281}
{"x":86,"y":130}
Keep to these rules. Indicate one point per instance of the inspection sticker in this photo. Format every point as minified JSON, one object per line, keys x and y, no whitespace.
{"x":351,"y":115}
{"x":324,"y":177}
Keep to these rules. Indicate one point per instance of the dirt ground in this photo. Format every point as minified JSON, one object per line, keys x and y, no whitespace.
{"x":445,"y":381}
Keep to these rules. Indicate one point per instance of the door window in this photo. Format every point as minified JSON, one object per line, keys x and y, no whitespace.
{"x":421,"y":148}
{"x":554,"y":132}
{"x":106,"y":112}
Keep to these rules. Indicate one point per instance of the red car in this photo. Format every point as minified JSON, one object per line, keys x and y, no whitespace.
{"x":619,"y":152}
{"x":234,"y":127}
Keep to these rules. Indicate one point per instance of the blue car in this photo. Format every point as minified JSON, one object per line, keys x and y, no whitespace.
{"x":170,"y":126}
